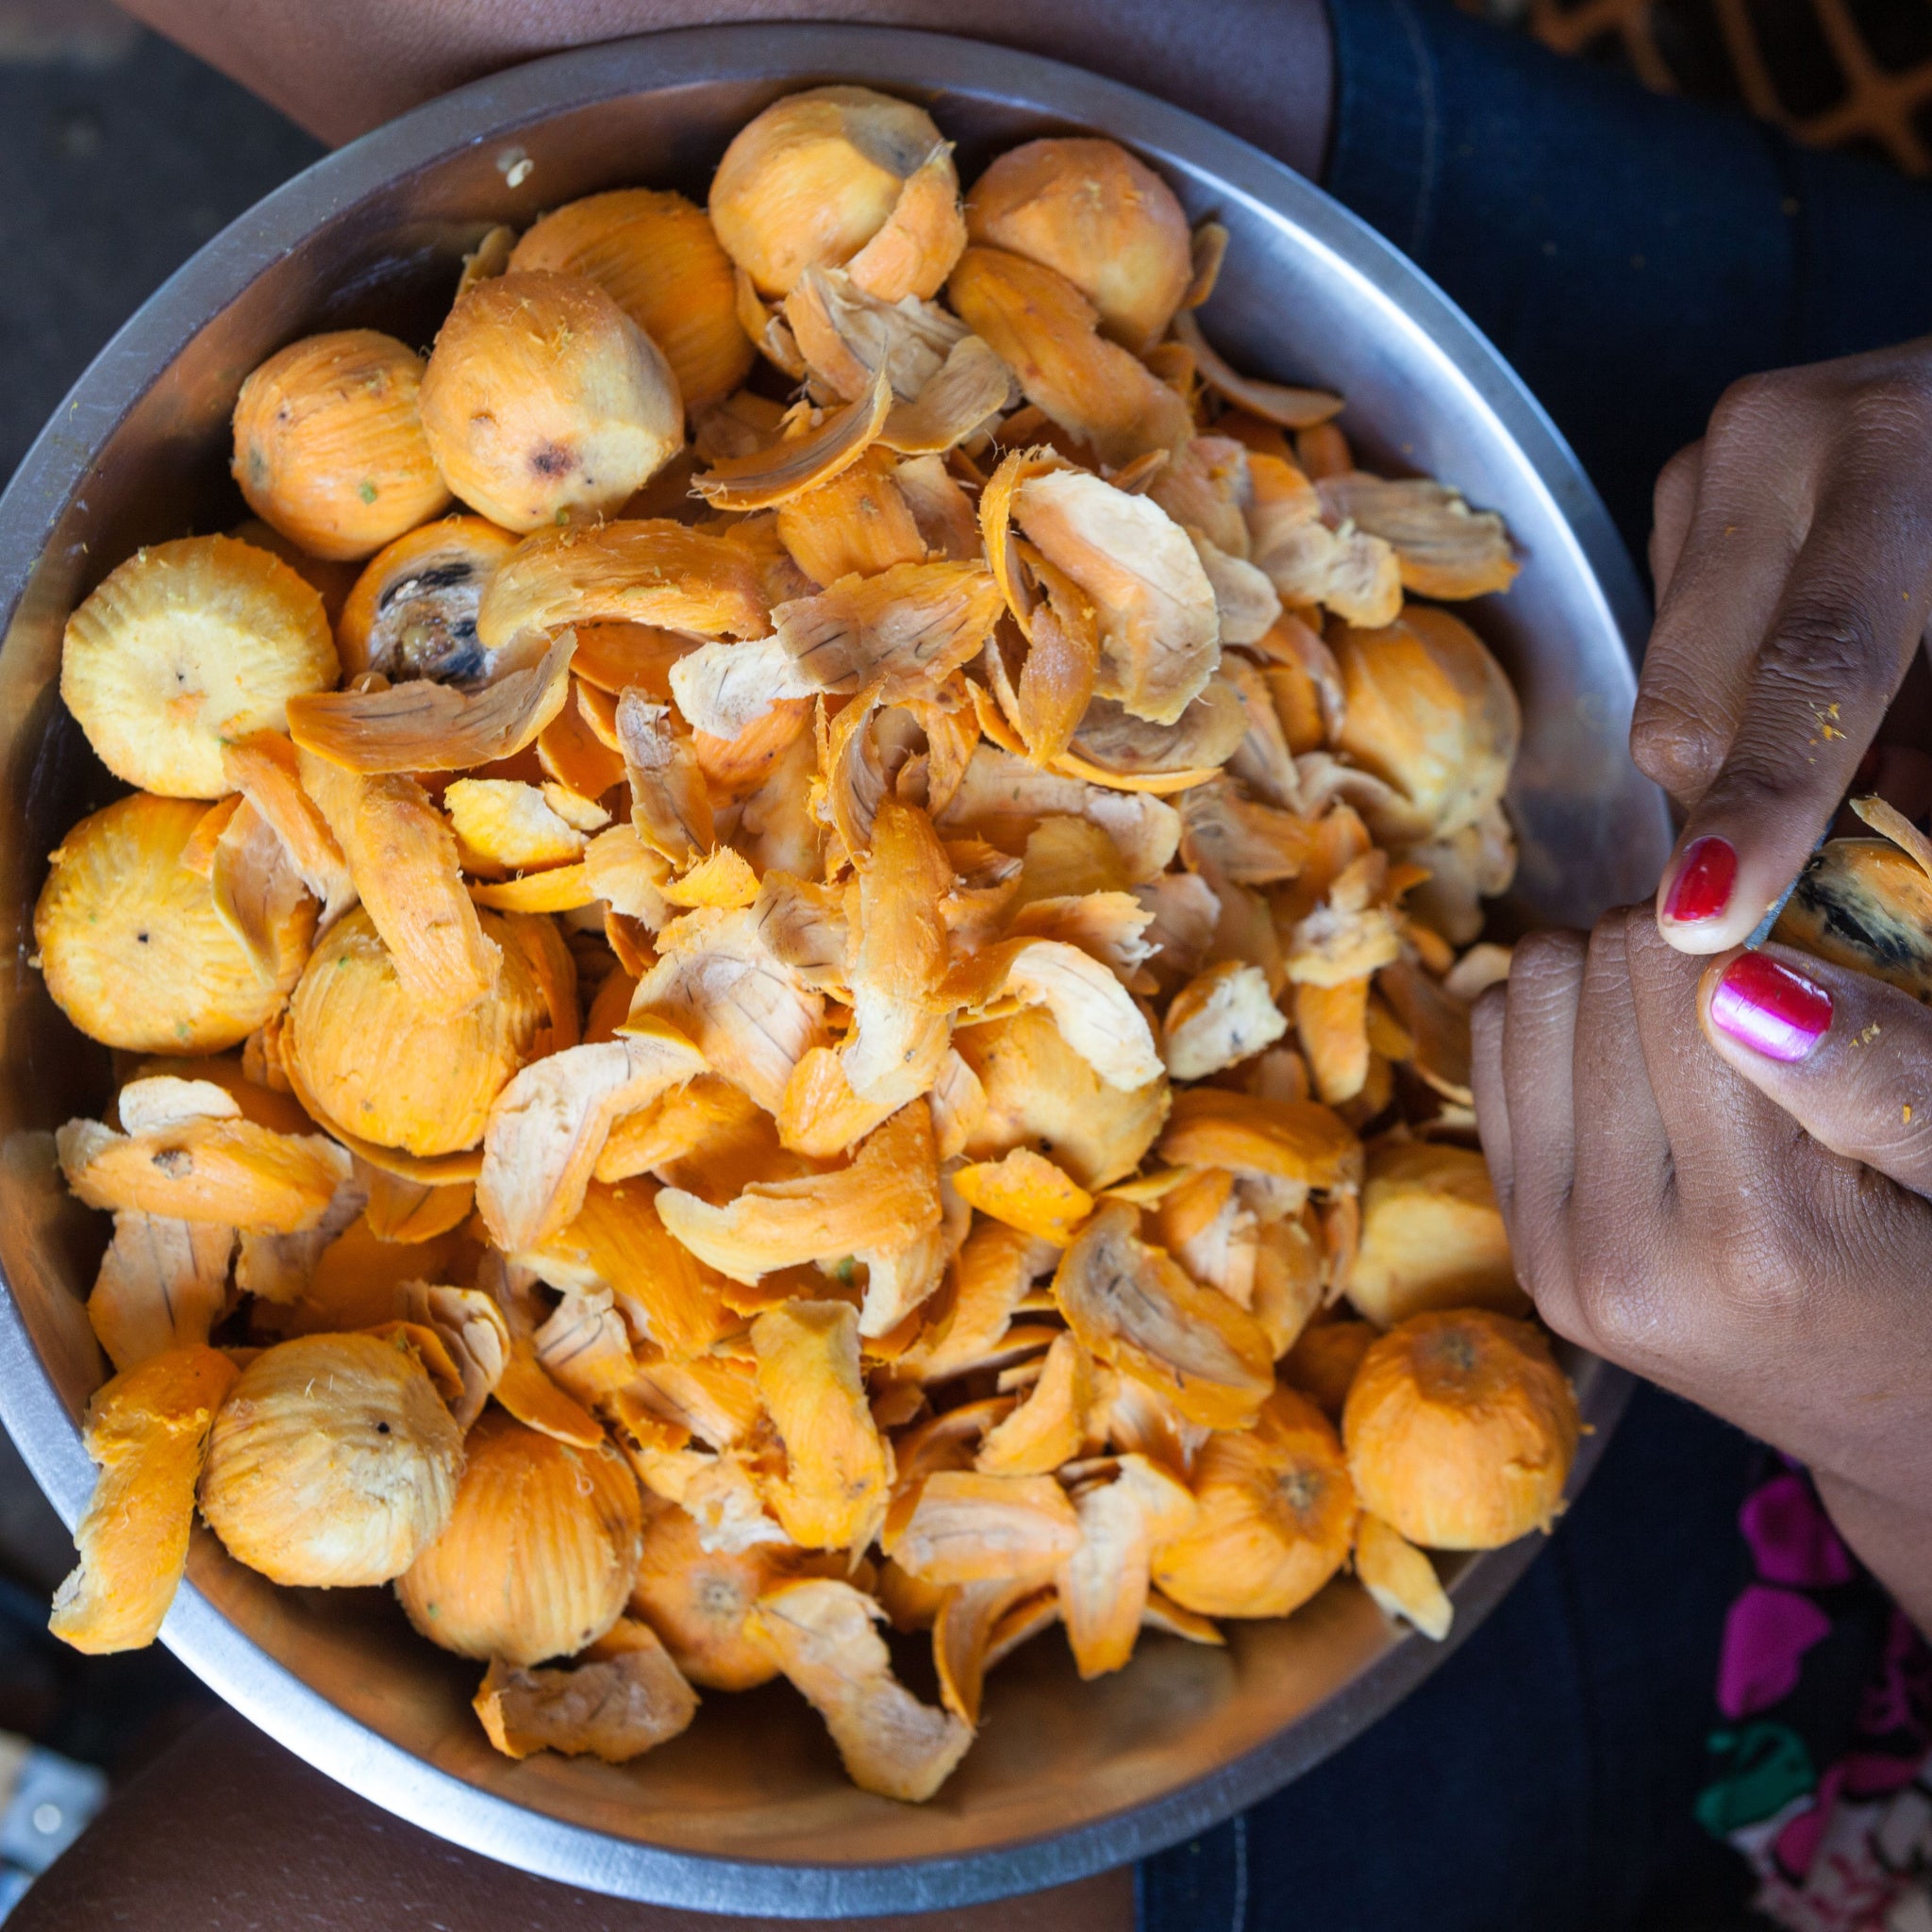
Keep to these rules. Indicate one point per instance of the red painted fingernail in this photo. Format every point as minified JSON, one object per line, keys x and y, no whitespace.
{"x":1702,"y":888}
{"x":1770,"y":1009}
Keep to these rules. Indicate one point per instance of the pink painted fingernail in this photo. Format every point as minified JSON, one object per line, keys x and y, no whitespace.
{"x":1702,"y":888}
{"x":1770,"y":1009}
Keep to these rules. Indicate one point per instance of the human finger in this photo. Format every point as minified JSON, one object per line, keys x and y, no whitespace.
{"x":1672,"y":505}
{"x":1538,"y":1076}
{"x":1715,"y":1126}
{"x":1622,"y":1190}
{"x":1741,"y":531}
{"x":1847,"y":1057}
{"x":1487,"y":1021}
{"x":1830,"y":665}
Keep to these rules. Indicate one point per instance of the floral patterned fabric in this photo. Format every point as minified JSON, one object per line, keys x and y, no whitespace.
{"x":1821,"y":1768}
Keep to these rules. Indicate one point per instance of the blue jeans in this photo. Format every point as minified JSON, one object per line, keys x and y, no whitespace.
{"x":1631,"y":255}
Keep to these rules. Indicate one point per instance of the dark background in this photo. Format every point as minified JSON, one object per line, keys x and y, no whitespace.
{"x":122,"y":156}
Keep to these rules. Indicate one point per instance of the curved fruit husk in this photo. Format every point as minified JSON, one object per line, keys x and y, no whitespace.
{"x":1046,"y":332}
{"x":227,"y":1172}
{"x":1102,"y":1586}
{"x":549,"y":1125}
{"x":1134,"y":1307}
{"x":147,"y":1430}
{"x":1442,"y":547}
{"x":1039,"y":1092}
{"x":623,"y":1697}
{"x":820,"y":1632}
{"x":828,"y":444}
{"x":1273,"y":402}
{"x":1159,"y":626}
{"x":1429,"y":710}
{"x":1432,"y":1236}
{"x":649,"y":571}
{"x":1219,"y":1018}
{"x":751,"y":1017}
{"x":1400,"y":1578}
{"x":970,"y":1527}
{"x":832,"y":1495}
{"x":163,"y":1283}
{"x":883,"y":1208}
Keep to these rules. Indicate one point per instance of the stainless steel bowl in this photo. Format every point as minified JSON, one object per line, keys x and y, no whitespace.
{"x":748,"y":1812}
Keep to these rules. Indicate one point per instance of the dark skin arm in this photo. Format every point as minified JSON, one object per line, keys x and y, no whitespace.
{"x":306,"y":1853}
{"x":1753,"y":1230}
{"x":1259,"y":68}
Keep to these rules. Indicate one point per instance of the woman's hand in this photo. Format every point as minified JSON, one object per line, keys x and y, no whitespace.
{"x":1792,"y":553}
{"x":1717,"y":1173}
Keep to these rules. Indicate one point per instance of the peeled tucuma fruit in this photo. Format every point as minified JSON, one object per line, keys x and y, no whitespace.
{"x":541,"y":1551}
{"x":134,"y":950}
{"x":329,"y":447}
{"x":1460,"y":1431}
{"x":819,"y":174}
{"x":391,"y":1073}
{"x":332,"y":1462}
{"x":185,"y":646}
{"x":655,"y":255}
{"x":545,"y":403}
{"x":1105,"y":221}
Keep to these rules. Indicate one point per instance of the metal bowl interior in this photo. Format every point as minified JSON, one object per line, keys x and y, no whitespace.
{"x":749,"y":1811}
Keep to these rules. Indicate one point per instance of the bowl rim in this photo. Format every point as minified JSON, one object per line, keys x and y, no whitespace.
{"x":57,"y":466}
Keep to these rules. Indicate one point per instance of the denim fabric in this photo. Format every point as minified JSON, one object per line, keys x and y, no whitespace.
{"x":1544,"y":1778}
{"x":1630,"y":254}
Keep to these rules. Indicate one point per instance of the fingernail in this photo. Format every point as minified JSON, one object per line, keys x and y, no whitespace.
{"x":1702,"y":888}
{"x":1770,"y":1009}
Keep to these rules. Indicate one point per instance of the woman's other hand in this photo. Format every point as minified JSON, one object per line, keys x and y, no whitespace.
{"x":1793,"y":554}
{"x":1719,"y":1173}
